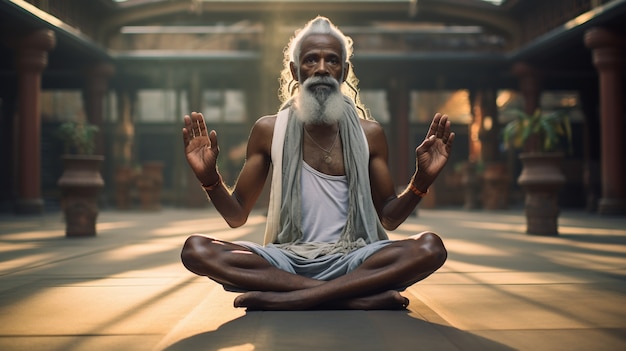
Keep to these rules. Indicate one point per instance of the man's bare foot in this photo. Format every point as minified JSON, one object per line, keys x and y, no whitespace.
{"x":271,"y":301}
{"x":387,"y":300}
{"x":290,"y":301}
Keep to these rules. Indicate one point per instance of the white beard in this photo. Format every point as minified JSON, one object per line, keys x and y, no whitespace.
{"x":320,"y":101}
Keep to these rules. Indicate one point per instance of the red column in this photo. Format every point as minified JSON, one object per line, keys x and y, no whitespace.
{"x":608,"y":57}
{"x":398,"y":98}
{"x":97,"y":78}
{"x":529,"y":85}
{"x":31,"y":60}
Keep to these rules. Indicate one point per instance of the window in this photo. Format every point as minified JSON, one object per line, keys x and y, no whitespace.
{"x":227,"y":106}
{"x":456,"y":104}
{"x":156,"y":106}
{"x":62,"y":105}
{"x":376,"y":102}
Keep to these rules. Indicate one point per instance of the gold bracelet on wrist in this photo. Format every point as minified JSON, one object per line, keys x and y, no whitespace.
{"x":416,"y":191}
{"x":214,"y":185}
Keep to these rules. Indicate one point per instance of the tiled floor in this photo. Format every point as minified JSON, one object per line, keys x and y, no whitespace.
{"x":126,"y":289}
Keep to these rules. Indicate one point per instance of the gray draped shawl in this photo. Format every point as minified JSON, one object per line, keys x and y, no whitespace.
{"x":285,"y":210}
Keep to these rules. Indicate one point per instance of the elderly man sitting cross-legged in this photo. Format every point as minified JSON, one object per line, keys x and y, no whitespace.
{"x":331,"y":200}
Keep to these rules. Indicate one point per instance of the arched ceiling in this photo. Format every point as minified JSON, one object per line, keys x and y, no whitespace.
{"x":420,"y":34}
{"x":348,"y":13}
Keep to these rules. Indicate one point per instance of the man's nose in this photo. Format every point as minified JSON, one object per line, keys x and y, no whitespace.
{"x":322,"y":68}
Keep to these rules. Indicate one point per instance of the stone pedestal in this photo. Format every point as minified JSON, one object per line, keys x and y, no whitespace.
{"x":541,"y":179}
{"x":80,"y":184}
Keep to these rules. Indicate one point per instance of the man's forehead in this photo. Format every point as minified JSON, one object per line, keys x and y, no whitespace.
{"x":321,"y":40}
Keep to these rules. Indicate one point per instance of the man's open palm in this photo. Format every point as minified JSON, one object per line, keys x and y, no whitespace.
{"x":201,"y":148}
{"x":432,"y":154}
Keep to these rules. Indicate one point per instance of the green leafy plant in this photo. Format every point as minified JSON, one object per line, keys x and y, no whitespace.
{"x":538,"y":132}
{"x":78,"y":137}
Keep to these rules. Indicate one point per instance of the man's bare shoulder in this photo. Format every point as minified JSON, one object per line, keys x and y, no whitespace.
{"x":265,"y":124}
{"x":262,"y":134}
{"x":372,"y":128}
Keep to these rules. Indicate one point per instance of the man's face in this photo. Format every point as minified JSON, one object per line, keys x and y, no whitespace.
{"x":320,"y":55}
{"x":320,"y":73}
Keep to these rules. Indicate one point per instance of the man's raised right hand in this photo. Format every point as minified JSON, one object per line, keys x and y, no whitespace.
{"x":201,"y":148}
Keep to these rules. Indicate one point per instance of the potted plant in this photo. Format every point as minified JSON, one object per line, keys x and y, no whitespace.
{"x":541,"y":137}
{"x":81,"y":181}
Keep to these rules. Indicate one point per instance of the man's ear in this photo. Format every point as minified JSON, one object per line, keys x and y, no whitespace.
{"x":294,"y":71}
{"x":346,"y":69}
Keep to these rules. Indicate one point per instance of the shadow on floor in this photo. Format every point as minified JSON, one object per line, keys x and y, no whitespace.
{"x":334,"y":330}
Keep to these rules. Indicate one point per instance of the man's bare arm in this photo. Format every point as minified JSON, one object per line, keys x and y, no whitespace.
{"x":233,"y":204}
{"x":431,"y":156}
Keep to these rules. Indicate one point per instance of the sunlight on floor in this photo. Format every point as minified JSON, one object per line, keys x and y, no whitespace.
{"x":22,"y":262}
{"x":416,"y":228}
{"x":232,"y":234}
{"x":244,"y":347}
{"x":133,"y":252}
{"x":590,"y":231}
{"x":204,"y":226}
{"x":17,"y":247}
{"x":34,"y":235}
{"x":498,"y":227}
{"x":470,"y":248}
{"x":190,"y":228}
{"x":458,"y":266}
{"x":586,"y":260}
{"x":102,"y":227}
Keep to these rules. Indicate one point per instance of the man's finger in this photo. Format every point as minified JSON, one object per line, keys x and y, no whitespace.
{"x":213,"y":139}
{"x":434,"y":125}
{"x":196,"y":118}
{"x":185,"y":137}
{"x":201,"y":125}
{"x":441,"y":126}
{"x":186,"y":129}
{"x":450,"y":139}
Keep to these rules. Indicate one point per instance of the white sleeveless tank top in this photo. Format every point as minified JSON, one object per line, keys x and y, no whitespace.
{"x":324,"y":205}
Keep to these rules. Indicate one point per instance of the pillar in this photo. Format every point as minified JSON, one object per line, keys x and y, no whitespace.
{"x":8,"y":147}
{"x":608,"y":57}
{"x":489,"y":132}
{"x":97,"y":83}
{"x":484,"y":129}
{"x":484,"y":149}
{"x":398,"y":100}
{"x":474,"y":142}
{"x":31,"y":58}
{"x":590,"y":102}
{"x":123,"y":148}
{"x":530,"y":81}
{"x":274,"y":41}
{"x":194,"y":195}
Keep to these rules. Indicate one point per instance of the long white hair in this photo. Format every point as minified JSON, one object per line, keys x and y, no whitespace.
{"x":319,"y":25}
